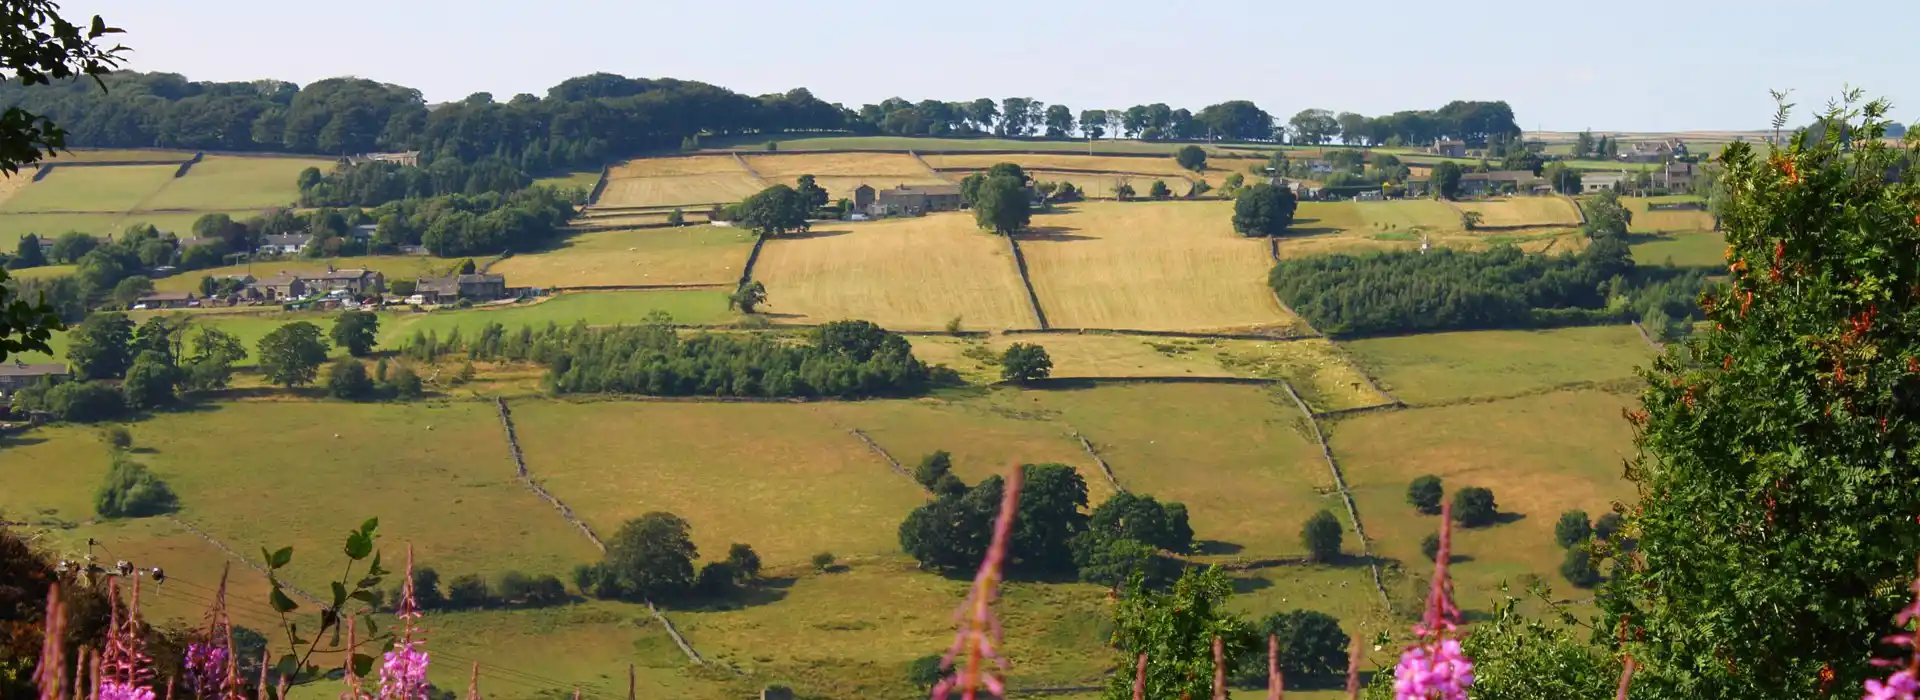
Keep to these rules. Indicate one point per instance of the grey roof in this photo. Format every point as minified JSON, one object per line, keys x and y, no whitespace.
{"x":293,"y":239}
{"x":451,"y":284}
{"x":280,"y":280}
{"x":168,"y":296}
{"x":929,"y":190}
{"x":22,"y":369}
{"x":349,"y":274}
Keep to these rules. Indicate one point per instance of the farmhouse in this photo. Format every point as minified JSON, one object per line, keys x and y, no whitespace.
{"x":1591,"y":181}
{"x":1450,"y":149}
{"x":285,"y":244}
{"x":1676,"y":177}
{"x":915,"y":200}
{"x":15,"y":376}
{"x":165,"y":300}
{"x":355,"y":281}
{"x":408,"y":158}
{"x":281,"y":286}
{"x":440,"y":290}
{"x":1499,"y":181}
{"x":1655,"y":151}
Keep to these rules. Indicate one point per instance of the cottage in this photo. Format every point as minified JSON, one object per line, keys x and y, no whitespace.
{"x":1480,"y":184}
{"x":1449,"y":148}
{"x":863,"y":197}
{"x":358,"y":282}
{"x":915,"y":200}
{"x":1593,"y":181}
{"x":1655,"y":151}
{"x":442,"y":290}
{"x":281,"y":286}
{"x":16,"y":375}
{"x":1676,"y":178}
{"x":166,"y":300}
{"x":409,"y":158}
{"x":285,"y":244}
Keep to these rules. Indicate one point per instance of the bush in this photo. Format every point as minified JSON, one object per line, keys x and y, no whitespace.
{"x":936,"y":464}
{"x":1579,"y":568}
{"x":1424,"y":494}
{"x":1024,"y":363}
{"x":426,"y":588}
{"x":949,"y":485}
{"x":82,"y":402}
{"x":347,"y":379}
{"x":131,"y":491}
{"x":1572,"y":529}
{"x":1312,"y":645}
{"x":547,"y":590}
{"x":468,"y":591}
{"x":924,"y":672}
{"x":1473,"y":506}
{"x":1321,"y":536}
{"x":745,"y":562}
{"x":404,"y":382}
{"x":1430,"y":546}
{"x":823,"y":561}
{"x":716,"y":579}
{"x":513,"y":587}
{"x":117,"y":437}
{"x":1607,"y":526}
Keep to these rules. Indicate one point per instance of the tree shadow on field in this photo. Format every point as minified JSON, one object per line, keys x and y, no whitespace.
{"x":1507,"y":518}
{"x":1216,"y":547}
{"x":763,"y":592}
{"x":817,"y":233}
{"x":1052,"y":234}
{"x":12,"y":441}
{"x":1297,"y":230}
{"x":1248,"y":585}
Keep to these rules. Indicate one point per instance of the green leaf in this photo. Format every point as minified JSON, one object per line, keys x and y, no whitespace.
{"x":362,"y":665}
{"x":369,"y":526}
{"x":376,"y":569}
{"x":281,"y":603}
{"x":359,"y":545}
{"x":279,"y":558}
{"x":363,"y":596}
{"x":286,"y":666}
{"x":339,"y":594}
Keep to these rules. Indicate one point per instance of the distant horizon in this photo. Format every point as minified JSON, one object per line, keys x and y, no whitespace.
{"x":1708,"y":67}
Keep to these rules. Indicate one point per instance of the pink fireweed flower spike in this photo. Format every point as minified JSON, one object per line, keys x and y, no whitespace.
{"x":979,"y":637}
{"x":404,"y":674}
{"x":1435,"y":667}
{"x":125,"y":669}
{"x":51,"y":676}
{"x":1904,"y":684}
{"x":209,"y":664}
{"x":473,"y":683}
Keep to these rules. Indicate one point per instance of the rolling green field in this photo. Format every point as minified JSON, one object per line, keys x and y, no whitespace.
{"x":100,"y":189}
{"x":1450,"y":367}
{"x":1698,"y":249}
{"x":13,"y":226}
{"x":233,"y":182}
{"x":687,"y":255}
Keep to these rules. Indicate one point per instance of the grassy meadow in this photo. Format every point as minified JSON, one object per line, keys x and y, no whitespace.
{"x":234,"y":182}
{"x":913,"y":273}
{"x":693,"y":307}
{"x":1524,"y":211}
{"x":1697,"y":249}
{"x":1450,"y":367}
{"x":104,"y":189}
{"x":1647,"y":220}
{"x":685,"y":255}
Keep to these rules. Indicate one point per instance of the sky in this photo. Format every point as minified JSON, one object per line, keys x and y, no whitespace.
{"x":1623,"y":65}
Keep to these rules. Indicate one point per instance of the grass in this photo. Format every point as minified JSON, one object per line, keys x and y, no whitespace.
{"x":1540,"y":455}
{"x":675,"y":167}
{"x":589,"y":643}
{"x":436,"y":474}
{"x":786,"y":168}
{"x":619,"y":218}
{"x":112,"y":189}
{"x":686,"y":255}
{"x":14,"y":226}
{"x":1315,"y":367}
{"x":232,"y":182}
{"x":1524,"y":211}
{"x":1104,"y":186}
{"x":42,"y":272}
{"x":1650,"y":221}
{"x":248,"y":328}
{"x":784,"y":478}
{"x":905,"y":273}
{"x":1152,"y":266}
{"x":684,"y":190}
{"x":1164,"y":166}
{"x":584,"y":180}
{"x":1077,"y":355}
{"x":395,"y":267}
{"x":1226,"y":452}
{"x":1700,"y":249}
{"x":89,"y":155}
{"x":842,"y":187}
{"x":931,"y":144}
{"x":595,"y":308}
{"x":1445,"y":367}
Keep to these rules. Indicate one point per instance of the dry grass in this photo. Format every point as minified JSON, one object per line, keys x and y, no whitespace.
{"x":789,"y":167}
{"x":92,"y":155}
{"x":984,"y":439}
{"x":676,"y":167}
{"x":686,"y":255}
{"x":781,"y":477}
{"x":1049,"y":161}
{"x":1425,"y":214}
{"x":682,"y":190}
{"x":1314,"y":366}
{"x":1540,"y":455}
{"x":618,"y":218}
{"x":1171,"y":266}
{"x":12,"y":184}
{"x":1079,"y":355}
{"x":1441,"y":367}
{"x":1524,"y":211}
{"x":907,"y":273}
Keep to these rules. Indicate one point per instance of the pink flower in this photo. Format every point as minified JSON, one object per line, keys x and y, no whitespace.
{"x":1900,"y":686}
{"x":1904,"y":683}
{"x":1436,"y":667}
{"x":113,"y":690}
{"x":206,"y":667}
{"x":979,"y":633}
{"x":403,"y":676}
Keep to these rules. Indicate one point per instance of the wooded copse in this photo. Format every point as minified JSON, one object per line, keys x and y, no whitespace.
{"x":591,"y":120}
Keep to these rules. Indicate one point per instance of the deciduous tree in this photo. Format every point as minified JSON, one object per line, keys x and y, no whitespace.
{"x":291,"y":355}
{"x":1191,"y":157}
{"x":1321,"y":536}
{"x":1024,"y":363}
{"x":1424,"y":494}
{"x":1473,"y":506}
{"x":653,"y":555}
{"x":1003,"y":205}
{"x":774,"y":211}
{"x":357,"y":331}
{"x":1176,"y":631}
{"x":101,"y":347}
{"x":1572,"y":529}
{"x":1446,"y":180}
{"x":1263,"y":210}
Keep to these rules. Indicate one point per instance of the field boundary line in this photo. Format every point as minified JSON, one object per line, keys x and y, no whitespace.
{"x":923,"y":163}
{"x":682,"y":642}
{"x":1656,"y":345}
{"x":599,"y":186}
{"x":1159,"y":334}
{"x":249,"y":563}
{"x":1104,"y":469}
{"x":746,"y":273}
{"x":1273,"y":251}
{"x":640,"y":287}
{"x":1615,"y":385}
{"x":181,"y":171}
{"x":1578,"y":210}
{"x":526,"y":479}
{"x":892,"y":463}
{"x":1020,"y":265}
{"x":1346,"y":494}
{"x":750,"y":171}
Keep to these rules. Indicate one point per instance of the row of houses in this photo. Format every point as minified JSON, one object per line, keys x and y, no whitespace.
{"x":1660,"y":151}
{"x":355,"y":283}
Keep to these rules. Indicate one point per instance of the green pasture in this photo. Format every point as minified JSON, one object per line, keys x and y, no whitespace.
{"x":1449,"y":367}
{"x":700,"y":306}
{"x":97,"y":189}
{"x":234,"y":182}
{"x":13,"y":226}
{"x":1699,"y":249}
{"x":584,"y":180}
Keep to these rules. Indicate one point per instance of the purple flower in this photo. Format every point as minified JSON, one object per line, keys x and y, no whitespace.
{"x":979,"y":634}
{"x":206,"y":666}
{"x":114,"y":690}
{"x":404,"y":674}
{"x":1436,"y":667}
{"x":1904,"y":683}
{"x":1900,"y":686}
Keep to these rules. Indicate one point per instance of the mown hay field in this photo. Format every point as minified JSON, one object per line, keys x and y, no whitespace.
{"x":788,"y":167}
{"x":1696,"y":249}
{"x":1524,"y":211}
{"x":395,"y":267}
{"x":684,"y":255}
{"x":1540,"y":455}
{"x":436,"y":473}
{"x":1225,"y":451}
{"x":1446,"y":367}
{"x":908,"y":273}
{"x":1150,"y":266}
{"x":681,"y":190}
{"x":784,"y":478}
{"x":232,"y":182}
{"x":1649,"y":220}
{"x":1061,"y":161}
{"x":678,"y":166}
{"x":12,"y":184}
{"x":99,"y":189}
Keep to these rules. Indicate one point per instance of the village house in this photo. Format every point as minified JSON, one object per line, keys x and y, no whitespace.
{"x":358,"y":282}
{"x":1654,"y":151}
{"x":410,"y":158}
{"x":1481,"y":184}
{"x":285,"y":244}
{"x":863,"y":197}
{"x":1449,"y":148}
{"x":915,"y":200}
{"x":1594,"y":181}
{"x":17,"y":375}
{"x":281,"y":286}
{"x":166,"y":300}
{"x":1676,"y":178}
{"x":444,"y":290}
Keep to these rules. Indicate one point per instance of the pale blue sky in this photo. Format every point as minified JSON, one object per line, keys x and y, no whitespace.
{"x":1618,"y":65}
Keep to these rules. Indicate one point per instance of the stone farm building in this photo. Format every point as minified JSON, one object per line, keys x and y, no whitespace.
{"x":1449,"y":149}
{"x":1594,"y":181}
{"x":166,"y":300}
{"x":1517,"y":181}
{"x":908,"y":200}
{"x":281,"y":286}
{"x":440,"y":290}
{"x":358,"y":282}
{"x":16,"y":375}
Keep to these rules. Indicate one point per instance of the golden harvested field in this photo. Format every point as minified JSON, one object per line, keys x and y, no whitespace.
{"x":785,"y":478}
{"x":92,"y":189}
{"x":685,"y":255}
{"x":1446,"y":367}
{"x":1425,"y":214}
{"x":789,"y":167}
{"x":907,"y":273}
{"x":1540,"y":455}
{"x":1150,"y":266}
{"x":676,"y":167}
{"x":1524,"y":211}
{"x":1080,"y":355}
{"x":1049,"y":161}
{"x":686,"y":190}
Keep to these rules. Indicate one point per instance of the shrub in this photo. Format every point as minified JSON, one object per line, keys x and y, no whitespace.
{"x":949,"y":485}
{"x":131,"y":491}
{"x":1321,"y":536}
{"x":347,"y":379}
{"x":1424,"y":493}
{"x":117,"y":437}
{"x":1572,"y":529}
{"x":823,"y":561}
{"x":83,"y":402}
{"x":1312,"y":645}
{"x":745,"y":562}
{"x":547,"y":590}
{"x":932,"y":467}
{"x":1607,"y":525}
{"x":1579,"y":569}
{"x":716,"y":579}
{"x":404,"y":382}
{"x":1473,"y":506}
{"x":513,"y":587}
{"x":467,"y":591}
{"x":1430,"y":546}
{"x":924,"y":672}
{"x":426,"y":588}
{"x":1023,"y":363}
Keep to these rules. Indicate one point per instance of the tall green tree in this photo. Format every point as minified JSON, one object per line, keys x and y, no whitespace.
{"x":291,"y":355}
{"x":1321,"y":536}
{"x":150,"y":381}
{"x":1024,"y":363}
{"x":1583,"y":144}
{"x":101,"y":347}
{"x":28,"y":254}
{"x":1191,"y":157}
{"x":1446,"y":180}
{"x":812,"y":195}
{"x":1312,"y":646}
{"x":1263,"y":210}
{"x":774,"y":211}
{"x":1003,"y":205}
{"x":357,"y":331}
{"x":1176,"y":629}
{"x":748,"y":297}
{"x":653,"y":555}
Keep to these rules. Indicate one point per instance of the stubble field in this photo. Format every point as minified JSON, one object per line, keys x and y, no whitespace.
{"x":685,"y":255}
{"x":1523,"y":211}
